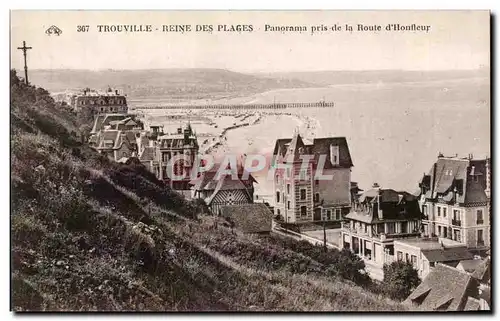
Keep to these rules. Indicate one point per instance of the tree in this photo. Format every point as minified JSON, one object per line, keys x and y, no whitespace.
{"x":400,"y":279}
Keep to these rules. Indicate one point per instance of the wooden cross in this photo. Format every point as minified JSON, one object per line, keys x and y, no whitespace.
{"x":24,"y":49}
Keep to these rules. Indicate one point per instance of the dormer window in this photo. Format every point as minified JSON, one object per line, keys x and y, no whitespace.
{"x":334,"y":154}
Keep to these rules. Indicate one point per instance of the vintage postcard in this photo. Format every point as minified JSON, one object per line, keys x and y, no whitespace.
{"x":250,"y":161}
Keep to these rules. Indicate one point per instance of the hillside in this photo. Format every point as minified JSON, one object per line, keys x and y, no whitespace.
{"x":168,"y":83}
{"x":341,"y":77}
{"x":88,"y":234}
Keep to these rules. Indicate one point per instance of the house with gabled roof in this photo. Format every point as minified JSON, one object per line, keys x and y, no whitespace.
{"x":176,"y":154}
{"x":445,"y":289}
{"x":376,"y":220}
{"x":455,"y":201}
{"x":224,"y":190}
{"x":116,"y":144}
{"x":101,"y":121}
{"x":300,"y":194}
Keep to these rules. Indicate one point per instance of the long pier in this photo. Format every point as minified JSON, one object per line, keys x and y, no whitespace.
{"x":243,"y":106}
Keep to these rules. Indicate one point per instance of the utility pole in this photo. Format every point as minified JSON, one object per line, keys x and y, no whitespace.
{"x":25,"y":49}
{"x":324,"y":235}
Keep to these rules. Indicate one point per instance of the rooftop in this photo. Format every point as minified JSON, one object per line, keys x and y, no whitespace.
{"x":429,"y":243}
{"x":444,"y":289}
{"x":250,"y":218}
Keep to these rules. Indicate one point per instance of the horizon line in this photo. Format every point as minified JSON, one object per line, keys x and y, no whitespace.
{"x":481,"y":68}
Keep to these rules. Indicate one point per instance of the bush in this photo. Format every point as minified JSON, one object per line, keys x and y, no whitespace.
{"x":400,"y":279}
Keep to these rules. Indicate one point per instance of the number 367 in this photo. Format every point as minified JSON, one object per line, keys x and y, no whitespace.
{"x":82,"y":28}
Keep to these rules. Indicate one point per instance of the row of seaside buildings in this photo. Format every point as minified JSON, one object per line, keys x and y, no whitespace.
{"x":445,"y":229}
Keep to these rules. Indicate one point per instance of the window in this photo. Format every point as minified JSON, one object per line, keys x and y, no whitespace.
{"x":404,"y":227}
{"x":278,"y":211}
{"x":338,"y":214}
{"x":445,"y":232}
{"x":277,"y":197}
{"x":424,"y":209}
{"x":480,"y":237}
{"x":456,"y":215}
{"x":407,"y":257}
{"x":391,"y":228}
{"x":400,"y":256}
{"x":328,"y":215}
{"x":302,"y":194}
{"x":316,"y":197}
{"x":303,"y":211}
{"x":303,"y":175}
{"x":288,"y":205}
{"x":439,"y":211}
{"x":413,"y":259}
{"x":439,"y":230}
{"x":334,"y":154}
{"x":479,"y":214}
{"x":288,"y":189}
{"x":444,"y":211}
{"x":457,"y":236}
{"x":316,"y":182}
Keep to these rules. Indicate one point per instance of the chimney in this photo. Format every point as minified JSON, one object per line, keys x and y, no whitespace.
{"x":375,"y":185}
{"x":380,"y":213}
{"x":488,"y":179}
{"x":116,"y":92}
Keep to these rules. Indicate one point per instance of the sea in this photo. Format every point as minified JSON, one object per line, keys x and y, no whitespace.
{"x":395,"y":131}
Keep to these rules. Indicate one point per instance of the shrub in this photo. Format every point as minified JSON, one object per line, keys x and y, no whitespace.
{"x":400,"y":279}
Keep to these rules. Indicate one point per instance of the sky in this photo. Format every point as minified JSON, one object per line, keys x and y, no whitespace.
{"x":456,"y":40}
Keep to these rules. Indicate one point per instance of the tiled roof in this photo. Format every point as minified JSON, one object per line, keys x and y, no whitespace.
{"x":394,"y":205}
{"x":472,"y":304}
{"x":444,"y":288}
{"x":280,"y":146}
{"x":447,"y":254}
{"x":295,"y":149}
{"x":469,"y":265}
{"x":97,"y":123}
{"x":105,"y":136}
{"x":250,"y":218}
{"x":483,"y":271}
{"x":448,"y":174}
{"x":148,"y":154}
{"x":208,"y":180}
{"x":361,"y":217}
{"x":321,"y":146}
{"x":103,"y":120}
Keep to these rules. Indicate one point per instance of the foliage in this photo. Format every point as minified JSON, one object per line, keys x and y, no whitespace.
{"x":89,"y":234}
{"x":400,"y":279}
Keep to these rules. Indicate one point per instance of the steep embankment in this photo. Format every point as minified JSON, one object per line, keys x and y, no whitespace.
{"x":88,"y":234}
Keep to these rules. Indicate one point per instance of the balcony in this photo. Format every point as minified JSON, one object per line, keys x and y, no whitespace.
{"x":456,"y":222}
{"x":480,"y":222}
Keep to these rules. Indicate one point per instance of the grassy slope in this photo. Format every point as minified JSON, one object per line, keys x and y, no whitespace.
{"x":88,"y":234}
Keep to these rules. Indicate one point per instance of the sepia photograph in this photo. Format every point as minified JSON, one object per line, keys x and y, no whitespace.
{"x":250,"y":161}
